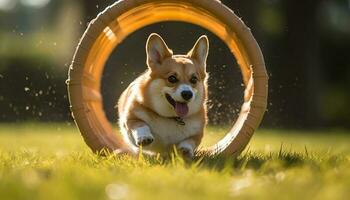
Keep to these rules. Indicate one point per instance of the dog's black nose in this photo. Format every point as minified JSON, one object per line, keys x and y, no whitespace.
{"x":187,"y":94}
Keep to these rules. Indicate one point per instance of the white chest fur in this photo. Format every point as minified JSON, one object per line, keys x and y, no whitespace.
{"x":168,"y":131}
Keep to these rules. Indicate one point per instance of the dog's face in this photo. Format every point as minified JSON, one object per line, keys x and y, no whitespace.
{"x":177,"y":86}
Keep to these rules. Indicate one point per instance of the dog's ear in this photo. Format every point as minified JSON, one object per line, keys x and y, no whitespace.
{"x":156,"y":50}
{"x":200,"y":50}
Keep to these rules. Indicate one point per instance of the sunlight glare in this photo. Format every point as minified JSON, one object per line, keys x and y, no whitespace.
{"x":7,"y":4}
{"x":35,"y":3}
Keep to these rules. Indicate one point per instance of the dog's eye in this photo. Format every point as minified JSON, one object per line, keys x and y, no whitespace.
{"x":172,"y":79}
{"x":194,"y":80}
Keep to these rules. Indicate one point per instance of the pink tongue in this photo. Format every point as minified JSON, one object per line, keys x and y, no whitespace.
{"x":181,"y":109}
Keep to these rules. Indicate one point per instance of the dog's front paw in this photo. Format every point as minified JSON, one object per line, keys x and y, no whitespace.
{"x":144,"y":141}
{"x":186,"y":149}
{"x":142,"y":136}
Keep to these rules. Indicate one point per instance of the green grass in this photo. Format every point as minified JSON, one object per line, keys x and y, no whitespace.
{"x":50,"y":161}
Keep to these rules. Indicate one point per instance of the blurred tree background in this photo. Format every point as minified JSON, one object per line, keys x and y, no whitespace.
{"x":306,"y":46}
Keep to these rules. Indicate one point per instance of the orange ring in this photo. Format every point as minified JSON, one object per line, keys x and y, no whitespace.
{"x":124,"y":17}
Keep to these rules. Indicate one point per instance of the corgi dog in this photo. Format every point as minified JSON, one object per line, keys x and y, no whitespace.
{"x":166,"y":105}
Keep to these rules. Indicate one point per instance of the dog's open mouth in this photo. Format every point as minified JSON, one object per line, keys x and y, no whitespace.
{"x":180,"y":108}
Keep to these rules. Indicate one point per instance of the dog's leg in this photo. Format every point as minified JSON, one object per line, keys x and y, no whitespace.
{"x":140,"y":132}
{"x":188,"y":146}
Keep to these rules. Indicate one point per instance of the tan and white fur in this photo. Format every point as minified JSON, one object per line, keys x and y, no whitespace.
{"x":166,"y":105}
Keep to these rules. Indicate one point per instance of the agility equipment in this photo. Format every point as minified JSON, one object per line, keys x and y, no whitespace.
{"x":124,"y":17}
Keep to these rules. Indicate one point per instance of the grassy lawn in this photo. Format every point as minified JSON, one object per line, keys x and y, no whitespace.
{"x":51,"y":161}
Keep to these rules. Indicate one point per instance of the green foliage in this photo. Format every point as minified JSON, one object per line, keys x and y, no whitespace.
{"x":50,"y":161}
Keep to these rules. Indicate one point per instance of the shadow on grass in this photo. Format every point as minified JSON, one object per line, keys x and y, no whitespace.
{"x":257,"y":161}
{"x":263,"y":161}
